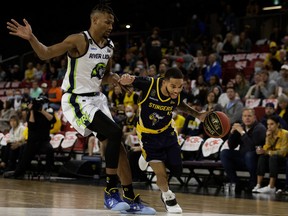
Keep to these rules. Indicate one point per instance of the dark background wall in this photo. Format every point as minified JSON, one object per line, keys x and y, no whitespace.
{"x":53,"y":20}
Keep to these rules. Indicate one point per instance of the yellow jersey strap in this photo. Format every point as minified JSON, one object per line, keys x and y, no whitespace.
{"x":142,"y":129}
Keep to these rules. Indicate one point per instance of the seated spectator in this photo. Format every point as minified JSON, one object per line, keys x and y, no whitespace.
{"x":282,"y":108}
{"x":131,"y":98}
{"x":178,"y":120}
{"x":212,"y":104}
{"x":266,"y":88}
{"x":15,"y":141}
{"x":116,"y":96}
{"x":251,"y":93}
{"x":55,"y":95}
{"x":282,"y":80}
{"x":233,"y":109}
{"x":193,"y":126}
{"x":5,"y":115}
{"x":247,"y":135}
{"x":273,"y":152}
{"x":134,"y":148}
{"x":241,"y":85}
{"x":223,"y":98}
{"x":35,"y":90}
{"x":44,"y":87}
{"x":270,"y":111}
{"x":213,"y":68}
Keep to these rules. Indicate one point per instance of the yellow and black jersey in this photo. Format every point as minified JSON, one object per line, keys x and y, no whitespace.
{"x":155,"y":109}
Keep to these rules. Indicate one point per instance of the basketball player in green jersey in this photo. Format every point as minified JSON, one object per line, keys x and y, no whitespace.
{"x":158,"y":137}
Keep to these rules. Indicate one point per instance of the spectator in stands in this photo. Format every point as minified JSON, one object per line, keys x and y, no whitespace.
{"x":258,"y":66}
{"x":39,"y":125}
{"x":193,"y":126}
{"x":17,"y":99}
{"x":233,"y":109}
{"x":62,"y":69}
{"x":152,"y":71}
{"x":179,"y":62}
{"x":273,"y":67}
{"x":29,"y":73}
{"x":3,"y":74}
{"x":245,"y":43}
{"x":270,"y":111}
{"x":38,"y":72}
{"x":273,"y":152}
{"x":273,"y":54}
{"x":247,"y":135}
{"x":282,"y":108}
{"x":199,"y":68}
{"x":214,"y":81}
{"x":200,"y":88}
{"x":35,"y":90}
{"x":228,"y":46}
{"x":134,"y":148}
{"x":153,"y":47}
{"x":178,"y":120}
{"x":211,"y":103}
{"x":26,"y":98}
{"x":223,"y":98}
{"x":15,"y":143}
{"x":15,"y":73}
{"x":265,"y":88}
{"x":44,"y":87}
{"x":162,"y":69}
{"x":217,"y":43}
{"x":282,"y":80}
{"x":241,"y":85}
{"x":5,"y":115}
{"x":251,"y":93}
{"x":213,"y":68}
{"x":131,"y":98}
{"x":55,"y":95}
{"x":252,"y":8}
{"x":116,"y":96}
{"x":187,"y":89}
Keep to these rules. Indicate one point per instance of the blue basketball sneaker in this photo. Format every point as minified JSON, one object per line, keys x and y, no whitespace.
{"x":113,"y":201}
{"x":136,"y":207}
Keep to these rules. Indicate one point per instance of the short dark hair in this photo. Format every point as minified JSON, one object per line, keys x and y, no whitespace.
{"x":104,"y":8}
{"x":173,"y":73}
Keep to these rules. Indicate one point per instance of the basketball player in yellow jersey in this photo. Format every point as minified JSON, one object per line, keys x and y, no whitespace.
{"x":89,"y":56}
{"x":158,"y":138}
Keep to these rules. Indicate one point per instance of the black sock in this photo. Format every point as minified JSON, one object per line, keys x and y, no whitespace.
{"x":111,"y":181}
{"x":128,"y":191}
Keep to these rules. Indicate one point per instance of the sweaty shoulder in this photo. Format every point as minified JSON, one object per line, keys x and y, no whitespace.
{"x":77,"y":44}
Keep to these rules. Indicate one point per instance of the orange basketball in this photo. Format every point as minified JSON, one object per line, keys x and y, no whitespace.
{"x":217,"y":124}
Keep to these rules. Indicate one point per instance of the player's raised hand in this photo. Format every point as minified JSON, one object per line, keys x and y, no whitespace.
{"x":23,"y":31}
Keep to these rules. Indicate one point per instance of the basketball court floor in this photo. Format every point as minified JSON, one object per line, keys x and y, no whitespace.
{"x":85,"y":198}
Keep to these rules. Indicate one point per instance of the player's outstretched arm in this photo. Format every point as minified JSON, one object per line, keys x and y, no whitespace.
{"x":184,"y":107}
{"x":43,"y":52}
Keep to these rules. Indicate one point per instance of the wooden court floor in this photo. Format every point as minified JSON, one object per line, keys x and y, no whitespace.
{"x":61,"y":198}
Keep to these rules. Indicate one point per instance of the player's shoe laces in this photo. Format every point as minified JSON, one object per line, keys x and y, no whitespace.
{"x":113,"y":201}
{"x":136,"y":207}
{"x":171,"y":204}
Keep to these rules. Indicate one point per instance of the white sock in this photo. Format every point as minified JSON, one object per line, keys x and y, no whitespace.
{"x":167,"y":194}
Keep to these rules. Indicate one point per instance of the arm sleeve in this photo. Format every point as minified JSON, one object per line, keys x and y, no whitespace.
{"x":142,"y":84}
